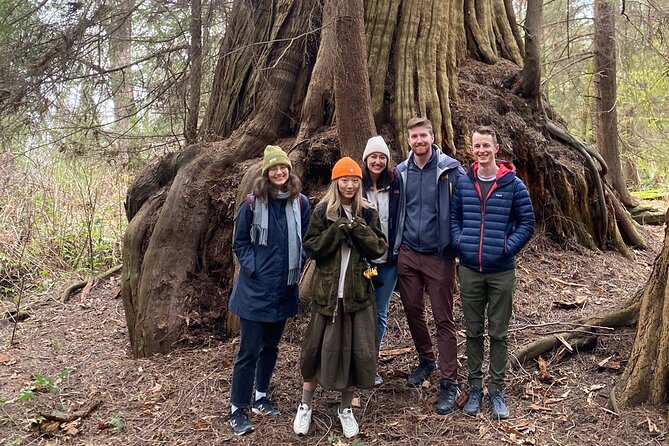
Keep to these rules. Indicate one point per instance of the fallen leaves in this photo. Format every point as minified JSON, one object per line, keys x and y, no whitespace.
{"x":608,"y":364}
{"x":7,"y":359}
{"x":574,"y":302}
{"x":543,"y":374}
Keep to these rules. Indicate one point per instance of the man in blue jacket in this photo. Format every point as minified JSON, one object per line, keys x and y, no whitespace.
{"x":491,"y":221}
{"x":427,"y":258}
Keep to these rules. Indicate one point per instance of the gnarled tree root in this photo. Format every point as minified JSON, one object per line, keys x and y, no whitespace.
{"x":588,"y":155}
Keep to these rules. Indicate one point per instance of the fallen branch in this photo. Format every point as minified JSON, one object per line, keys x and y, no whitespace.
{"x":625,"y":316}
{"x":570,"y":324}
{"x":66,"y":417}
{"x":79,"y":285}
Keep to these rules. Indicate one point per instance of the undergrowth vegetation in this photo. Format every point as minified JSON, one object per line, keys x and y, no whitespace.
{"x":60,"y":217}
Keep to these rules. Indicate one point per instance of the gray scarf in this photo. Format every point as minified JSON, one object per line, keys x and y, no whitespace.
{"x":294,"y":224}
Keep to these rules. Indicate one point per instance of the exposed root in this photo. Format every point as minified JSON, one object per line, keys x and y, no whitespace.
{"x":90,"y":282}
{"x":588,"y":154}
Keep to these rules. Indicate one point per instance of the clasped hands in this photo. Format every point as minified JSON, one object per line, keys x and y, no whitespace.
{"x":350,"y":224}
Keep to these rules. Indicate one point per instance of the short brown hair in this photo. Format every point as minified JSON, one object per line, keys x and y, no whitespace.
{"x":419,"y":122}
{"x":486,"y":130}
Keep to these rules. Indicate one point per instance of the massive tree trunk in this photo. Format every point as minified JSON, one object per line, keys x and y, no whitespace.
{"x":646,"y":377}
{"x":277,"y":82}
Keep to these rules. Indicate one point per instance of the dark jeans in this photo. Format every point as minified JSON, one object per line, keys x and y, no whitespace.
{"x":494,"y":291}
{"x":255,"y":360}
{"x":416,"y":272}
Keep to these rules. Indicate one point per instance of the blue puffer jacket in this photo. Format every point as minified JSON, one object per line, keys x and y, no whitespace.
{"x":260,"y":292}
{"x":488,"y":233}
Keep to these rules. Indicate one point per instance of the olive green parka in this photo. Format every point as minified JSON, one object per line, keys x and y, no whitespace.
{"x":322,"y":242}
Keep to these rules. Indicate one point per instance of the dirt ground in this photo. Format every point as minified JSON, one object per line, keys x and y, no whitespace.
{"x":182,"y":398}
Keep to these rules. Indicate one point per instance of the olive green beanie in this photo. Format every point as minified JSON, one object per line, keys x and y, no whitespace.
{"x":273,"y":156}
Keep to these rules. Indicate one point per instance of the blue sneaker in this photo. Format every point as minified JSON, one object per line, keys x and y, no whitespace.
{"x":240,"y":422}
{"x":473,"y":405}
{"x":264,"y":406}
{"x":498,"y":409}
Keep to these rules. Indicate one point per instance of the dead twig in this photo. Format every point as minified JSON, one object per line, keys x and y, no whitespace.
{"x":62,"y":417}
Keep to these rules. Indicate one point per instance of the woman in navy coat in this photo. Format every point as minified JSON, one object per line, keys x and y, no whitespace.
{"x":268,"y":244}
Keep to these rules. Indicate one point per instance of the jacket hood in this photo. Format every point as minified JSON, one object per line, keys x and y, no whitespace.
{"x":506,"y":169}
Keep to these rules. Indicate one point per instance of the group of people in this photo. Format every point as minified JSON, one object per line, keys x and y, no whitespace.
{"x":377,"y":228}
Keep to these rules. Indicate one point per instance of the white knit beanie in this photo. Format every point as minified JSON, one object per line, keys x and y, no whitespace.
{"x":376,"y":144}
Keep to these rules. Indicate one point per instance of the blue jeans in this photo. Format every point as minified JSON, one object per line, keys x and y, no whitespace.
{"x":388,"y":273}
{"x":255,"y":360}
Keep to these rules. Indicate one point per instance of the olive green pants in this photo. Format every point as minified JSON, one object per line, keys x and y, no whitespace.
{"x":494,"y":291}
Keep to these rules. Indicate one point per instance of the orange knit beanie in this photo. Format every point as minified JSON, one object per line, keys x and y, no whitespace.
{"x":346,"y":167}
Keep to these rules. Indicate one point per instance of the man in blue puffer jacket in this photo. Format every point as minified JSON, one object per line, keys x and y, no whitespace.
{"x":491,"y":221}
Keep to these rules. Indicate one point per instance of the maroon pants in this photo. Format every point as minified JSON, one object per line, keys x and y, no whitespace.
{"x":417,"y":272}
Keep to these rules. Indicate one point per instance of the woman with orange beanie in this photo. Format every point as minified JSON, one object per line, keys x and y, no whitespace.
{"x":339,"y":350}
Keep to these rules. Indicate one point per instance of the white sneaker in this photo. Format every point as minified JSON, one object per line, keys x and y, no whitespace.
{"x":302,"y":420}
{"x":348,"y":423}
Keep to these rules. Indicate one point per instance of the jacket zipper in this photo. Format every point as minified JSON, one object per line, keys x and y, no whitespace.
{"x":483,"y":203}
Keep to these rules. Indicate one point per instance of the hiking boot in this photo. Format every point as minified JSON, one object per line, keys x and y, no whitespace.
{"x":378,"y":380}
{"x":263,"y":406}
{"x":448,"y":398}
{"x":422,"y":372}
{"x":240,"y":422}
{"x":473,"y":405}
{"x":348,"y":423}
{"x":302,"y":420}
{"x":498,"y":409}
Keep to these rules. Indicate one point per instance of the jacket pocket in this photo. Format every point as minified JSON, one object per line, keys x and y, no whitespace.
{"x":362,"y":287}
{"x":322,"y":284}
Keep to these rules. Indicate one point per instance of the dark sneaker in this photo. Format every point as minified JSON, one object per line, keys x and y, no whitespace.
{"x":422,"y":372}
{"x":263,"y":406}
{"x":448,"y":398}
{"x":498,"y":409}
{"x":240,"y":422}
{"x":474,"y":401}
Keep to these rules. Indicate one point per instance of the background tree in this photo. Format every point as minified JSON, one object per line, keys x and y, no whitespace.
{"x":606,"y":97}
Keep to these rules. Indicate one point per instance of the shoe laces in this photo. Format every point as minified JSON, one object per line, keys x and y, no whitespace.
{"x":347,"y":417}
{"x":497,"y":400}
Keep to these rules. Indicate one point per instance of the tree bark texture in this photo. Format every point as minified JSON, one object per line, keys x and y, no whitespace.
{"x":195,"y":72}
{"x":279,"y":81}
{"x":531,"y":74}
{"x":646,"y":376}
{"x":606,"y":97}
{"x":355,"y":124}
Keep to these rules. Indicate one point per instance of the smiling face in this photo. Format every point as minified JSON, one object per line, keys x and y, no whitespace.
{"x":278,"y":175}
{"x":420,"y":140}
{"x":348,"y":187}
{"x":484,"y":149}
{"x":376,"y":162}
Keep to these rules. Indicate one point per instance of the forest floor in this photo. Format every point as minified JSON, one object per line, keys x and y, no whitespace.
{"x":80,"y":351}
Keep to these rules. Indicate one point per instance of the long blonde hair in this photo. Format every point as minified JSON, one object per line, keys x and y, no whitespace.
{"x":332,"y":200}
